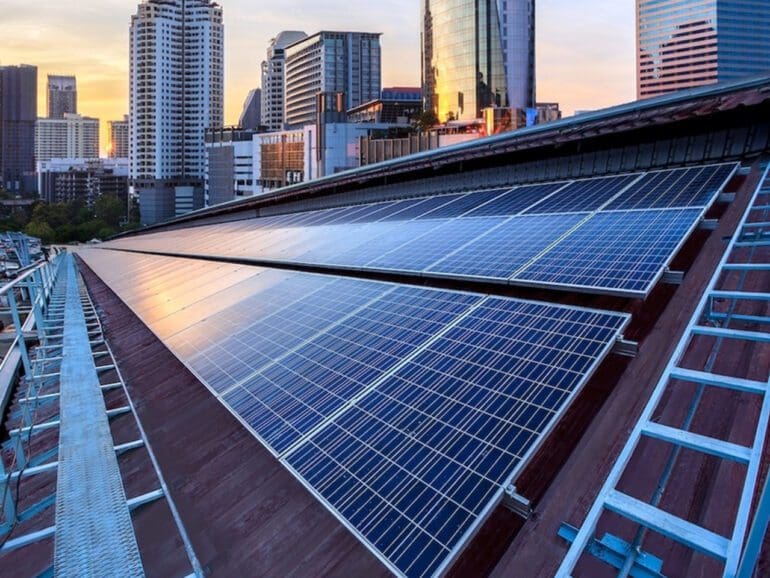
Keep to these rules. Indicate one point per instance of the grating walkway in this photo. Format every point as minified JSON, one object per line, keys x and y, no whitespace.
{"x":94,"y":532}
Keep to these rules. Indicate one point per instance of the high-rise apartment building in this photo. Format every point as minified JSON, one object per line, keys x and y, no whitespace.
{"x":273,"y":79}
{"x":688,"y":43}
{"x":62,"y":96}
{"x":477,"y":54}
{"x":331,"y":62}
{"x":176,"y":93}
{"x":251,"y":116}
{"x":73,"y":136}
{"x":18,"y":112}
{"x":119,"y":138}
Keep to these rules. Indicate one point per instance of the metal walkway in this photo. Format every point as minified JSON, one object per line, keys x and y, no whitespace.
{"x":728,"y":317}
{"x":97,"y":540}
{"x":65,"y":378}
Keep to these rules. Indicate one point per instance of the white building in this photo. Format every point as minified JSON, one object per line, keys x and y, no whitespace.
{"x":67,"y":179}
{"x":73,"y":136}
{"x":176,"y":92}
{"x":273,"y":79}
{"x":331,"y":62}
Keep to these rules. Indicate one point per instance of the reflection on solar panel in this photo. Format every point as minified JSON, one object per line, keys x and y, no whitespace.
{"x":406,"y":410}
{"x":541,"y":234}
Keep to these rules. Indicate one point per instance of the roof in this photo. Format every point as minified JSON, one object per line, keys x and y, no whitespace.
{"x":413,"y":382}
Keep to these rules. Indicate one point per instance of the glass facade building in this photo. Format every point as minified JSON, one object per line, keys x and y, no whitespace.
{"x":477,"y":54}
{"x":688,"y":43}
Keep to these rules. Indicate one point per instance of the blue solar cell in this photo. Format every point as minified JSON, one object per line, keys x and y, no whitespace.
{"x":504,"y":249}
{"x":515,"y":201}
{"x":692,"y":187}
{"x":463,"y":204}
{"x":621,"y":251}
{"x":416,"y":462}
{"x":315,"y":376}
{"x":583,"y":196}
{"x":437,"y":243}
{"x":426,"y":206}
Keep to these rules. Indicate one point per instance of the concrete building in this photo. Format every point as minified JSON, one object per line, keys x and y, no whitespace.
{"x":68,"y":179}
{"x":477,"y":54}
{"x":229,"y":164}
{"x":251,"y":116}
{"x":331,"y":62}
{"x":119,"y":141}
{"x":18,"y":112}
{"x":273,"y":79}
{"x":695,"y":42}
{"x":62,"y":96}
{"x":72,"y":136}
{"x":176,"y":92}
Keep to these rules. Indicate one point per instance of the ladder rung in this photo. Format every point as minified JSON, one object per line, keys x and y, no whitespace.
{"x":731,"y":333}
{"x":670,"y":526}
{"x":693,"y":441}
{"x":716,"y":380}
{"x":748,"y":295}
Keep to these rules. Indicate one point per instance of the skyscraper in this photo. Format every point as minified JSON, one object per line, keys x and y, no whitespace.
{"x":251,"y":116}
{"x":698,"y":42}
{"x":18,"y":112}
{"x":273,"y":79}
{"x":347,"y":62}
{"x":119,"y":138}
{"x":477,"y":54}
{"x":62,"y":96}
{"x":176,"y":93}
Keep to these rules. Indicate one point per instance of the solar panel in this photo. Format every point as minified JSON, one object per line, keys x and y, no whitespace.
{"x":583,"y":196}
{"x":515,"y":201}
{"x":415,"y":465}
{"x":620,"y":251}
{"x":503,"y":250}
{"x":466,"y":234}
{"x":691,"y":187}
{"x":405,"y":410}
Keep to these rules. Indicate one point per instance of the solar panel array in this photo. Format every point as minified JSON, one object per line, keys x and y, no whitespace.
{"x":405,"y":410}
{"x":542,"y":235}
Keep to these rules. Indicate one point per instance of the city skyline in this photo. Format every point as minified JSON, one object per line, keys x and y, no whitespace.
{"x":92,"y":44}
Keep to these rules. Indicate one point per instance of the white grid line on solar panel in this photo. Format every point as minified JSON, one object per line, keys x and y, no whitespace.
{"x":423,"y":250}
{"x":583,"y":196}
{"x":670,"y":188}
{"x":297,"y":320}
{"x":375,"y":413}
{"x":368,"y":243}
{"x":462,"y":205}
{"x":517,"y":200}
{"x":370,"y":341}
{"x":526,"y":329}
{"x":502,"y":250}
{"x":624,"y":251}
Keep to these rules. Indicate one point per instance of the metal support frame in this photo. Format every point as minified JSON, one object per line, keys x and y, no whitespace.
{"x":728,"y":549}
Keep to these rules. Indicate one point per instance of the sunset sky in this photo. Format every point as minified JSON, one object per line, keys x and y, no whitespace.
{"x":585,"y":50}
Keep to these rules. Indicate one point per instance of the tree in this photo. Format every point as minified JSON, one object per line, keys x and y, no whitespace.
{"x":425,"y":120}
{"x":110,"y":209}
{"x":41,"y":230}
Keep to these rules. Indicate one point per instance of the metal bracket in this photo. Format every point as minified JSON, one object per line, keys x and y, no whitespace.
{"x":708,"y":224}
{"x":626,"y":348}
{"x":726,"y":197}
{"x":517,"y":503}
{"x":615,"y":552}
{"x":673,"y":277}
